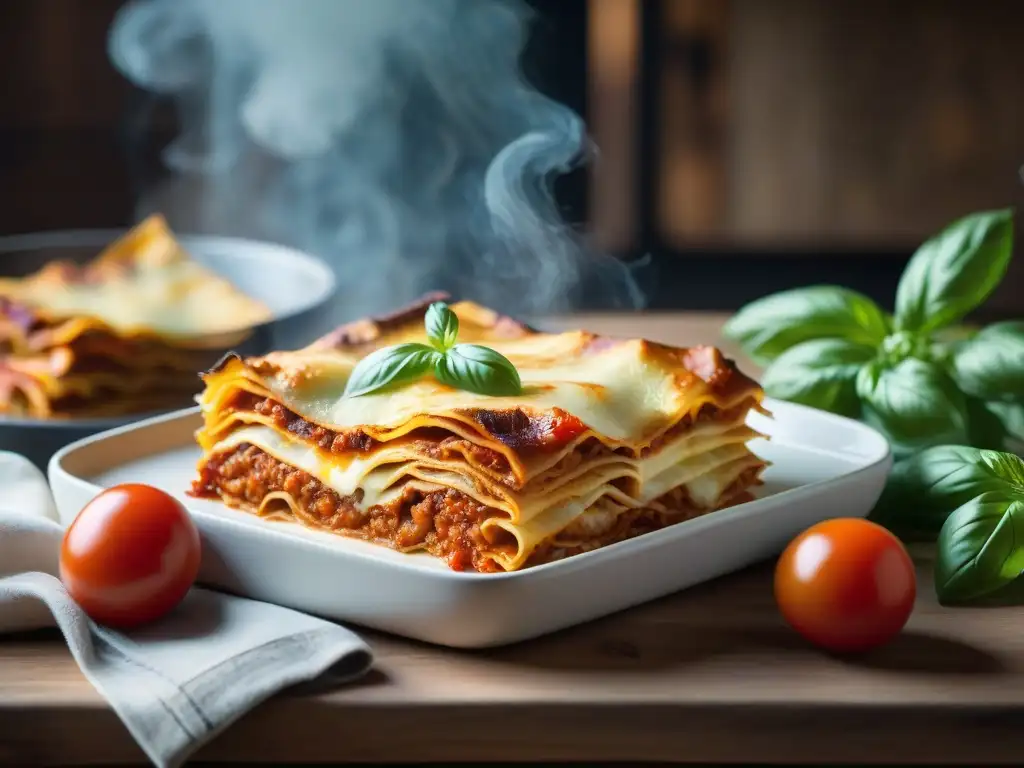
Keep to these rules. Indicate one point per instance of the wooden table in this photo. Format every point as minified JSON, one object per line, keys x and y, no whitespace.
{"x":707,"y":675}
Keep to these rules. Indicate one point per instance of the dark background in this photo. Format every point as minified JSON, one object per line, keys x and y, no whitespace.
{"x":745,"y":146}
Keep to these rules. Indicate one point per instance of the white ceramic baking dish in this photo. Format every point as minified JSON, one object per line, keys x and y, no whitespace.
{"x":823,"y":466}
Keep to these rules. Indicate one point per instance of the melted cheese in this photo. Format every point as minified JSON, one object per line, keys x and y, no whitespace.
{"x":143,"y":283}
{"x":614,"y":392}
{"x":627,"y":392}
{"x":623,"y":398}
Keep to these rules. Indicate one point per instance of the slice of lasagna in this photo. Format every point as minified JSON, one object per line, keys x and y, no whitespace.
{"x":123,"y":333}
{"x":608,"y":439}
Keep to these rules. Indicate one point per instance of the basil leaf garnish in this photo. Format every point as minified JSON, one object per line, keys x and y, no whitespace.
{"x":442,"y":326}
{"x":477,"y":369}
{"x":469,"y":367}
{"x":389,"y":366}
{"x":955,"y":271}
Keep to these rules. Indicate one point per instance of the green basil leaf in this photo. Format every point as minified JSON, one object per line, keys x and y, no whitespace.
{"x":955,"y":271}
{"x":914,"y":403}
{"x":768,"y":327}
{"x":442,"y":326}
{"x":478,"y":369}
{"x":924,"y":489}
{"x":991,"y":364}
{"x":821,"y":373}
{"x":980,"y":547}
{"x":389,"y":366}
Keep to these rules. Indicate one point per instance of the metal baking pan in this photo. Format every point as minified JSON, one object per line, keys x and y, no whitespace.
{"x":295,"y":286}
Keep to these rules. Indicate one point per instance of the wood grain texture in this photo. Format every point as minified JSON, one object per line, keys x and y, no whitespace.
{"x":55,"y":72}
{"x":613,"y":64}
{"x":871,"y":122}
{"x":675,"y":680}
{"x":835,"y":125}
{"x":707,"y":675}
{"x":693,"y":133}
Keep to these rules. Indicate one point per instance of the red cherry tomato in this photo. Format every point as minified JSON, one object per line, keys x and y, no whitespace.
{"x":130,"y":555}
{"x":847,"y":585}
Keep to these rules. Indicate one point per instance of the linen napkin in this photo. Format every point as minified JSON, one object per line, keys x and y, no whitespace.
{"x":178,"y":682}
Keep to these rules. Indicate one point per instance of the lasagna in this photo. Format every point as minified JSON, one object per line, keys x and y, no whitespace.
{"x":123,"y":333}
{"x":608,"y":439}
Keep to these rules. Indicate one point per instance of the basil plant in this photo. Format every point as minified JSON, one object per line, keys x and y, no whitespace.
{"x":970,"y":502}
{"x":916,"y":375}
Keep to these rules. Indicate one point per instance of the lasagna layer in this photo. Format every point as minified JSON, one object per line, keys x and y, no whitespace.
{"x":444,"y":522}
{"x":554,"y":453}
{"x":124,"y":333}
{"x":608,"y":438}
{"x":625,"y":394}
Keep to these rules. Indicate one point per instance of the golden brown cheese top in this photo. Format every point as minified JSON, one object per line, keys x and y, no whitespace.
{"x":627,"y":391}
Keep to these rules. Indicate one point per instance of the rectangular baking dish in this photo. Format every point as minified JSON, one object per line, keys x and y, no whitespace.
{"x":823,"y":466}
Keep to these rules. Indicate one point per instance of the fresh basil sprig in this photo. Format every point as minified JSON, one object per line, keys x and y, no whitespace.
{"x":972,"y":502}
{"x":469,"y":367}
{"x":916,"y":376}
{"x":390,"y":366}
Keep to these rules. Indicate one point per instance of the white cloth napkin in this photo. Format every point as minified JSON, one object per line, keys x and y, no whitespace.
{"x":178,"y":682}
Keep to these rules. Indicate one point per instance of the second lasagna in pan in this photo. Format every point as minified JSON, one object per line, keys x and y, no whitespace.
{"x":122,"y":334}
{"x":607,"y":439}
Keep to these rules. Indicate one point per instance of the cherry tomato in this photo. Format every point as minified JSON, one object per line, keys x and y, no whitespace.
{"x":847,"y":585}
{"x":130,"y":555}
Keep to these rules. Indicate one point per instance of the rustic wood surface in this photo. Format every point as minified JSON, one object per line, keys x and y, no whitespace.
{"x":708,"y":675}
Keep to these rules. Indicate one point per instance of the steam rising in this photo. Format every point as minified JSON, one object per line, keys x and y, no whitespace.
{"x":396,"y":139}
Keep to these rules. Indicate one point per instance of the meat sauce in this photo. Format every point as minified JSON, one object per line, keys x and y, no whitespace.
{"x":446,"y":523}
